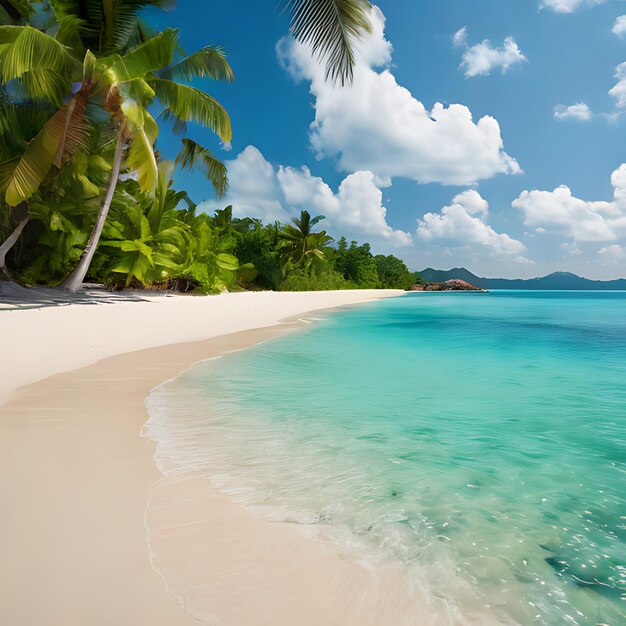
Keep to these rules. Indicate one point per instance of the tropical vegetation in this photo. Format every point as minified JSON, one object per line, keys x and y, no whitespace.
{"x":85,"y":87}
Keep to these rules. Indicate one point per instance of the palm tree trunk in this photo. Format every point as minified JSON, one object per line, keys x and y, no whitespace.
{"x":9,"y":242}
{"x":74,"y":281}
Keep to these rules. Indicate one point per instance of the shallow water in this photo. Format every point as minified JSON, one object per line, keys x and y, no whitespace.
{"x":477,"y":439}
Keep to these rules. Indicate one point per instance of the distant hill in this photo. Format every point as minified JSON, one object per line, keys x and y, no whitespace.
{"x":555,"y":281}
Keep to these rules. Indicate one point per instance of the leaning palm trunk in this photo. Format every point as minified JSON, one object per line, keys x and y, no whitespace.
{"x":9,"y":243}
{"x":74,"y":281}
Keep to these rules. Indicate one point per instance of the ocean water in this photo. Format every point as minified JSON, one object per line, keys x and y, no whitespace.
{"x":478,"y":440}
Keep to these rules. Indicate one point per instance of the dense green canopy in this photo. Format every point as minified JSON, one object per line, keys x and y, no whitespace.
{"x":84,"y":192}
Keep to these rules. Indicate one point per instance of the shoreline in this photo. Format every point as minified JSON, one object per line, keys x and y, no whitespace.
{"x":78,"y":477}
{"x":45,"y":340}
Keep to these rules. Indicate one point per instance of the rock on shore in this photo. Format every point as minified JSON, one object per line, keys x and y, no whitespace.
{"x":448,"y":285}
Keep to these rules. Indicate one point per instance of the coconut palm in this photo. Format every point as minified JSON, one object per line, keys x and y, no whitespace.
{"x":130,"y":84}
{"x":36,"y":66}
{"x":43,"y":121}
{"x":330,"y":28}
{"x":301,"y":242}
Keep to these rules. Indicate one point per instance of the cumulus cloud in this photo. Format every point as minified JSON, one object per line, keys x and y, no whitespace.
{"x":619,"y":90}
{"x":357,"y":207}
{"x":253,"y":188}
{"x":463,"y":223}
{"x":483,"y":58}
{"x":559,"y":211}
{"x":579,"y":111}
{"x":613,"y":253}
{"x":257,"y":189}
{"x":376,"y":125}
{"x":619,"y":28}
{"x":568,"y":6}
{"x":522,"y":260}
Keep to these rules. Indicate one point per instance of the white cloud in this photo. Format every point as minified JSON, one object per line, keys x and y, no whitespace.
{"x":522,"y":260}
{"x":483,"y":58}
{"x":619,"y":28}
{"x":560,"y":211}
{"x":462,"y":223}
{"x":259,"y":190}
{"x":568,"y":6}
{"x":579,"y":111}
{"x":356,"y":208}
{"x":571,"y":248}
{"x":376,"y":125}
{"x":619,"y":90}
{"x":613,"y":253}
{"x":459,"y":38}
{"x":253,"y":188}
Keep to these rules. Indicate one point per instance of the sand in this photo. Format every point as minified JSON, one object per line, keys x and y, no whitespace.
{"x":79,"y":487}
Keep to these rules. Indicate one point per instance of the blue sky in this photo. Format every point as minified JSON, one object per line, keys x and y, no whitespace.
{"x":457,"y":191}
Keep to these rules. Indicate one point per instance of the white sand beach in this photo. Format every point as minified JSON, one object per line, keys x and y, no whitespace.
{"x":76,"y":477}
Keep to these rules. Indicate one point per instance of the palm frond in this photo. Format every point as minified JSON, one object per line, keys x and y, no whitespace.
{"x":6,"y":172}
{"x":75,"y":136}
{"x":108,"y":26}
{"x":48,"y":84}
{"x":147,"y":57}
{"x":178,"y":126}
{"x":28,"y":49}
{"x":15,"y":11}
{"x":210,"y":62}
{"x":138,"y":90}
{"x":140,"y":157}
{"x":192,"y":105}
{"x":330,"y":28}
{"x":19,"y":123}
{"x":63,"y":132}
{"x":68,"y":31}
{"x":193,"y":155}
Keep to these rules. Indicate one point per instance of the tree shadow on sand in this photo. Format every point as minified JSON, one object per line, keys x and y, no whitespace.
{"x":14,"y":296}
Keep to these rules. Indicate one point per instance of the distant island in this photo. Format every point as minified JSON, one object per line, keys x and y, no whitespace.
{"x":554,"y":281}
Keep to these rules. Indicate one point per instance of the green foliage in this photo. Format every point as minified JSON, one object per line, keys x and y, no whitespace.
{"x":143,"y":251}
{"x":324,"y":280}
{"x":393,"y":273}
{"x":210,"y":62}
{"x":194,"y":156}
{"x":418,"y":279}
{"x":357,"y":265}
{"x":210,"y":264}
{"x":105,"y":26}
{"x":80,"y":85}
{"x":303,"y":246}
{"x":258,"y":245}
{"x":62,"y":136}
{"x":54,"y":238}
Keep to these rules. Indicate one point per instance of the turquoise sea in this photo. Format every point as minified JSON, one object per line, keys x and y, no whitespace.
{"x":479,"y":440}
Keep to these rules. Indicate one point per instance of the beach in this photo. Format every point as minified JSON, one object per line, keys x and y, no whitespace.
{"x":77,"y":476}
{"x":312,"y":467}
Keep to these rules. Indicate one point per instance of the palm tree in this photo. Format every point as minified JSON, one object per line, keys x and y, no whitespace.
{"x":36,"y":129}
{"x":303,"y":244}
{"x":130,"y":84}
{"x":330,"y":27}
{"x":42,"y":67}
